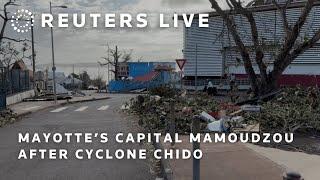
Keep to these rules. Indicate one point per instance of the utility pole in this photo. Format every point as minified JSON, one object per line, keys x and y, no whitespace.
{"x":195,"y":147}
{"x":53,"y":62}
{"x":33,"y":59}
{"x":73,"y":76}
{"x":116,"y":60}
{"x":196,"y":70}
{"x":108,"y":64}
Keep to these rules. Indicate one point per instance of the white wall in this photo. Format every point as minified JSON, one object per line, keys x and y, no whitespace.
{"x":13,"y":99}
{"x":211,"y":43}
{"x":208,"y":49}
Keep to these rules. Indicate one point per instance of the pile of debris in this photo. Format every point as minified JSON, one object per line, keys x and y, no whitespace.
{"x":291,"y":110}
{"x":7,"y":116}
{"x":173,"y":107}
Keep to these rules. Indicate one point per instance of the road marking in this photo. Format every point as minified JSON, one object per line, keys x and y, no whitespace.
{"x":82,"y":109}
{"x":30,"y":108}
{"x":59,"y":109}
{"x":103,"y":108}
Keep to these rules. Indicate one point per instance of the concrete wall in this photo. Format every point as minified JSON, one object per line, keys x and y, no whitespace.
{"x":13,"y":99}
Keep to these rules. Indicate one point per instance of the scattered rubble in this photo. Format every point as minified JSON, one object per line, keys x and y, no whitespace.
{"x":7,"y":117}
{"x":291,"y":110}
{"x":48,"y":98}
{"x":166,"y":106}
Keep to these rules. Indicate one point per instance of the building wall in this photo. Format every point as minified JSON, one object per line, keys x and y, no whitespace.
{"x":139,"y":68}
{"x":217,"y":54}
{"x":15,"y":98}
{"x":123,"y":70}
{"x":142,"y":68}
{"x":202,"y":46}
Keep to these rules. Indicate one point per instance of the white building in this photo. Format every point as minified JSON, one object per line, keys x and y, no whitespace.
{"x":217,"y":56}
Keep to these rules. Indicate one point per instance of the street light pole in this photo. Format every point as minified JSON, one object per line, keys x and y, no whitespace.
{"x":108,"y":64}
{"x":53,"y":62}
{"x":196,"y":70}
{"x":33,"y":58}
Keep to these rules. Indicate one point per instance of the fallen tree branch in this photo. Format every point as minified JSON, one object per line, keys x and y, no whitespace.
{"x":16,"y":40}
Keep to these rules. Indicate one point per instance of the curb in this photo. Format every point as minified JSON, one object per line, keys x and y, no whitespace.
{"x":60,"y":104}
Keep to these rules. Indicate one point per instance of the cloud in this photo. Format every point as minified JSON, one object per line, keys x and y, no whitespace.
{"x":88,"y":45}
{"x":182,"y":3}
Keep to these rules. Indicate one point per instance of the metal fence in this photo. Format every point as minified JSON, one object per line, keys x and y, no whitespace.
{"x":12,"y":82}
{"x":18,"y":81}
{"x":3,"y":89}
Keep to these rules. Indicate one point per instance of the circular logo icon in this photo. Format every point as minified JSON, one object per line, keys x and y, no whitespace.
{"x":22,"y":21}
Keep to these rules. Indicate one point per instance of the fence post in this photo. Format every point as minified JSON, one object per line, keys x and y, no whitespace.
{"x":19,"y":77}
{"x":11,"y":84}
{"x":172,"y":125}
{"x":196,"y":146}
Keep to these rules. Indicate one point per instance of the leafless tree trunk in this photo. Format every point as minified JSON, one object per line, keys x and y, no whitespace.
{"x":114,"y":60}
{"x":267,"y":81}
{"x":5,"y":20}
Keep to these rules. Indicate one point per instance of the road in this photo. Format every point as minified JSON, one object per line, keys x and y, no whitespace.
{"x":90,"y":117}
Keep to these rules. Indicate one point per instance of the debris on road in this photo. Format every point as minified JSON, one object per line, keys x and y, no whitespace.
{"x":291,"y":110}
{"x":251,"y":108}
{"x":207,"y":117}
{"x":125,"y":107}
{"x":216,"y":126}
{"x":47,"y":98}
{"x":166,"y":105}
{"x":7,"y":116}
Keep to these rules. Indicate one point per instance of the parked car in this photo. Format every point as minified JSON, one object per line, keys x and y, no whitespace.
{"x":93,"y":87}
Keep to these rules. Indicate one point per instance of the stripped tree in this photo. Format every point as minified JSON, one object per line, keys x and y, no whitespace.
{"x":4,"y":19}
{"x":267,"y":81}
{"x":115,"y":58}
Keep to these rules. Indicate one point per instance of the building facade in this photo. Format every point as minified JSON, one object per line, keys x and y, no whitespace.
{"x":212,"y":53}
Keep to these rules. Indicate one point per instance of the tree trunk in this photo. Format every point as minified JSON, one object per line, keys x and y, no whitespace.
{"x":268,"y":87}
{"x":2,"y":30}
{"x":116,"y":67}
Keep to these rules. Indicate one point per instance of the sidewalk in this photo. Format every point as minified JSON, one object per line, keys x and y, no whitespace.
{"x":23,"y":108}
{"x":306,"y":164}
{"x":226,"y":162}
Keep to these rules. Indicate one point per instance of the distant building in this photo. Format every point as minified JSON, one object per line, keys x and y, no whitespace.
{"x":143,"y":75}
{"x":135,"y":69}
{"x":19,"y":78}
{"x":123,"y":70}
{"x":218,"y":57}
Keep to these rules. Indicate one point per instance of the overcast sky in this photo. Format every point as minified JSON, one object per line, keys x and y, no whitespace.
{"x":88,"y":45}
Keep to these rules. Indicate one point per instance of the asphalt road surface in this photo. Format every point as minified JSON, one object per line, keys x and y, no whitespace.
{"x":90,"y":117}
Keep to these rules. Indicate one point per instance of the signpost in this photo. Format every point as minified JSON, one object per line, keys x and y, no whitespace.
{"x":181,"y":63}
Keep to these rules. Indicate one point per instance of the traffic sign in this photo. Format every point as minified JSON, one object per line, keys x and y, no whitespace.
{"x":181,"y":63}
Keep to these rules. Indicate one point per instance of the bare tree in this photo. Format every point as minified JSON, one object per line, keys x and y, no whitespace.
{"x":5,"y":18}
{"x":290,"y":49}
{"x":9,"y":53}
{"x":114,"y":58}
